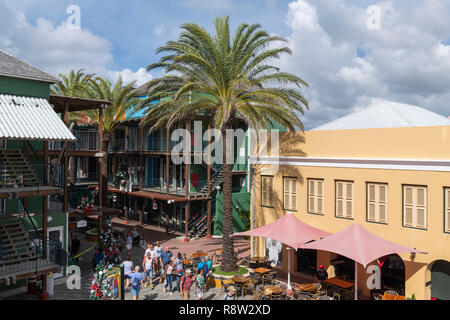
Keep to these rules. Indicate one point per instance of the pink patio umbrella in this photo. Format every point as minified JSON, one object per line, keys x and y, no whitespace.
{"x":360,"y":245}
{"x":288,"y":230}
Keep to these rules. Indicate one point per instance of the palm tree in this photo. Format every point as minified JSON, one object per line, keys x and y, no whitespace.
{"x":224,"y":78}
{"x":72,"y":85}
{"x":122,"y":98}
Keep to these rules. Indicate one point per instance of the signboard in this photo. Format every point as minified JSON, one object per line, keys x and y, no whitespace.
{"x":114,"y":282}
{"x":99,"y":155}
{"x":82,"y":224}
{"x":155,"y":205}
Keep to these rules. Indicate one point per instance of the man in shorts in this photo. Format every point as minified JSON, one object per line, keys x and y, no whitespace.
{"x":186,"y":282}
{"x":136,"y":283}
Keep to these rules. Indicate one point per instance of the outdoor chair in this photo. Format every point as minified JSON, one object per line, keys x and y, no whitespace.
{"x":395,"y":293}
{"x":224,"y":286}
{"x":249,"y":287}
{"x":302,"y":296}
{"x":336,"y":296}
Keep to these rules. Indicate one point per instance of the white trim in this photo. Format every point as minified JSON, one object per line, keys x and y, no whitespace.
{"x":413,"y":167}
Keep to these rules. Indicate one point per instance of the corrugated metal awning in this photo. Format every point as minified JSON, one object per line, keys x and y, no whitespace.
{"x":25,"y":118}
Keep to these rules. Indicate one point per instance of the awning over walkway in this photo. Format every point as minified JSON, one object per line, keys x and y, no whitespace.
{"x":25,"y":118}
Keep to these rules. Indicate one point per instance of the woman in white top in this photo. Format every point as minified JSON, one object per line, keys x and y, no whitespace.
{"x":127,"y":270}
{"x":168,"y":276}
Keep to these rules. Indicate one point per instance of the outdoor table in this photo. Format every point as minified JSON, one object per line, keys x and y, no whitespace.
{"x":257,"y":259}
{"x":187,"y":262}
{"x":339,"y":283}
{"x":309,"y":287}
{"x":240,"y":279}
{"x":261,"y":270}
{"x":388,"y":296}
{"x":240,"y":282}
{"x":269,"y":290}
{"x":199,"y":254}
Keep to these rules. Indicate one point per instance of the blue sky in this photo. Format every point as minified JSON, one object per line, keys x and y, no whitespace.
{"x":346,"y":63}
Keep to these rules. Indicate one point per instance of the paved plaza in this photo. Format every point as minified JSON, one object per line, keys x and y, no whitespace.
{"x":151,"y":234}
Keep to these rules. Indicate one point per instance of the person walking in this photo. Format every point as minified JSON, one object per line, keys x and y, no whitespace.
{"x":127,"y":270}
{"x":168,"y":274}
{"x":147,"y":265}
{"x":136,"y":283}
{"x":129,"y":242}
{"x":165,"y":258}
{"x":136,"y":237}
{"x":179,"y":269}
{"x":120,"y":242}
{"x":158,"y":251}
{"x":201,"y":284}
{"x":186,"y":282}
{"x":76,"y":244}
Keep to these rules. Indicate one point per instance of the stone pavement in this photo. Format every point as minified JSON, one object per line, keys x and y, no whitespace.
{"x":175,"y":244}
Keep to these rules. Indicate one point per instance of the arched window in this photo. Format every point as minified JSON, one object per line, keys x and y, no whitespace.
{"x":440,"y":280}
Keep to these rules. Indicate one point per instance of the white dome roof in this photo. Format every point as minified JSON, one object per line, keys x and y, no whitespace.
{"x":386,"y":114}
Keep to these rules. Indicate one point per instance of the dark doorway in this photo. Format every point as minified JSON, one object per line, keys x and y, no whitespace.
{"x":307,"y":261}
{"x":440,"y":280}
{"x":393,"y":273}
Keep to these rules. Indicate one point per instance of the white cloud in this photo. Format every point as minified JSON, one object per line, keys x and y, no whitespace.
{"x":141,"y":76}
{"x":406,"y":60}
{"x":57,"y":49}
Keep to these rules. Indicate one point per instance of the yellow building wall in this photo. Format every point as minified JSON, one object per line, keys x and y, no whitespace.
{"x":412,"y":143}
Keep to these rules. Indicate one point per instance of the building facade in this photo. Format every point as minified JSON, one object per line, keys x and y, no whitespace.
{"x":393,"y":179}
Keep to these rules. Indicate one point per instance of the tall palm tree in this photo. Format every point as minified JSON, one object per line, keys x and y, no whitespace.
{"x":225,"y":78}
{"x":122,"y":98}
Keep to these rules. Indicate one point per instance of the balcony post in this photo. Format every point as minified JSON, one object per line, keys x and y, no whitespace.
{"x":100,"y":159}
{"x":208,"y":176}
{"x":187,"y":169}
{"x":167,"y":160}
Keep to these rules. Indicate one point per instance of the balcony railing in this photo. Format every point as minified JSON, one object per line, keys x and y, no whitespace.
{"x":31,"y":175}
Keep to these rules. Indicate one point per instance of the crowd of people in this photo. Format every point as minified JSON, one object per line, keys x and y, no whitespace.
{"x":163,"y":266}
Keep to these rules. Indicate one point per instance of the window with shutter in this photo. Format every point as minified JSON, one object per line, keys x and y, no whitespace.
{"x":267,"y":191}
{"x":315,"y":196}
{"x":415,"y":207}
{"x":290,"y":194}
{"x":344,"y":199}
{"x":377,"y":202}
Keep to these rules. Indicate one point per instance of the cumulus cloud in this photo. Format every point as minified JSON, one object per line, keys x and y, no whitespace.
{"x":58,"y":49}
{"x":141,"y":76}
{"x":346,"y":63}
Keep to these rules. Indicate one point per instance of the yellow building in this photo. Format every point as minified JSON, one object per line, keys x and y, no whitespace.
{"x":386,"y":167}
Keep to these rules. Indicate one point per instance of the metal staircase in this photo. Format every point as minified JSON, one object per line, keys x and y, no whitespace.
{"x":22,"y":249}
{"x":216,"y":180}
{"x":15,"y":170}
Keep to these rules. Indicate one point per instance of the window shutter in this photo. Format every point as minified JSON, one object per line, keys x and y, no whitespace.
{"x":421,"y":208}
{"x":294,"y":194}
{"x":311,"y":187}
{"x":408,"y":216}
{"x":270,"y":191}
{"x":319,"y":188}
{"x":372,"y":212}
{"x":311,"y":204}
{"x":339,"y":199}
{"x":264,"y":191}
{"x":447,"y":211}
{"x":319,"y":205}
{"x":286,"y":194}
{"x":371,"y":193}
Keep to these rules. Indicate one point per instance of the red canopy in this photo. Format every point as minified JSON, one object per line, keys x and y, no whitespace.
{"x":288,"y":230}
{"x":359,"y":244}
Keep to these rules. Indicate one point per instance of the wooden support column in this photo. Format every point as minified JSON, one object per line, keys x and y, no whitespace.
{"x":126,"y":137}
{"x":141,"y":213}
{"x":187,"y":171}
{"x":125,"y":201}
{"x":167,"y":160}
{"x":44,"y":294}
{"x":141,"y":157}
{"x":100,"y":160}
{"x":65,"y":116}
{"x":208,"y":177}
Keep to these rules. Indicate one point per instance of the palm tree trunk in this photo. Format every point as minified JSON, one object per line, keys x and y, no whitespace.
{"x":229,"y":263}
{"x":104,"y":176}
